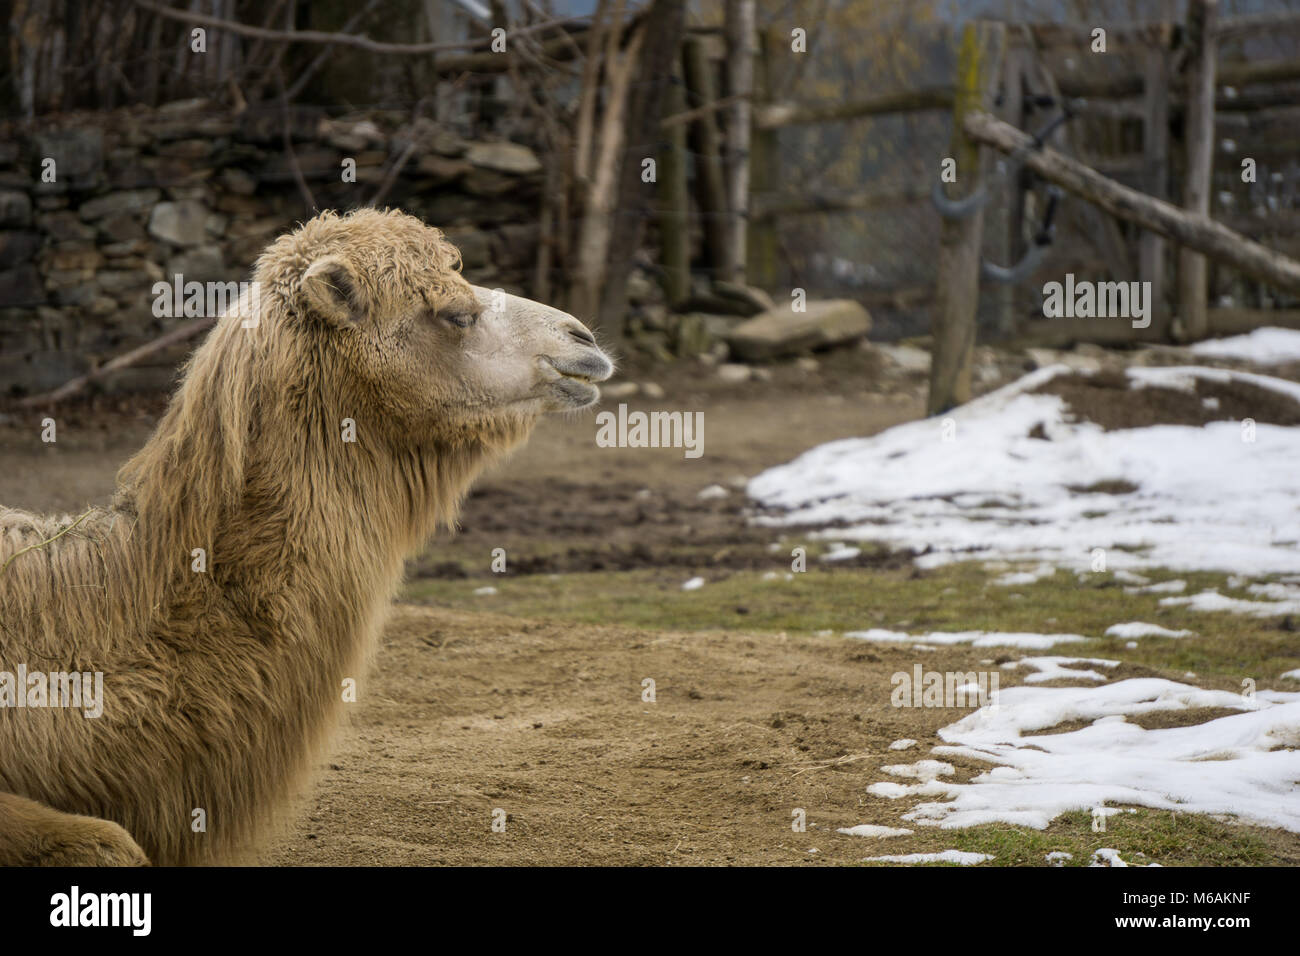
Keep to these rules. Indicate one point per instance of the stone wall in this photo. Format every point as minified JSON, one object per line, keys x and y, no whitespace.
{"x":141,"y":195}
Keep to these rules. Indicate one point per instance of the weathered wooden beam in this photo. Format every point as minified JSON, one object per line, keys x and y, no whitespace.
{"x":1047,"y":35}
{"x":1190,"y":229}
{"x":979,"y":67}
{"x":775,"y":115}
{"x":1231,"y":73}
{"x":1160,"y":32}
{"x":1257,"y":24}
{"x":1198,"y":137}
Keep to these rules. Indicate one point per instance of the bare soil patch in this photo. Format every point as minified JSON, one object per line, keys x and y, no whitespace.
{"x":1110,"y":400}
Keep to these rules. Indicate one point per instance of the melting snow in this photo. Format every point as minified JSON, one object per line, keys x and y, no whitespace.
{"x":996,"y":493}
{"x":1212,"y":600}
{"x":973,"y":638}
{"x":959,"y":857}
{"x":1176,"y":586}
{"x":1105,"y":856}
{"x":1058,"y":668}
{"x":1267,"y":346}
{"x":1139,"y":629}
{"x":871,"y":830}
{"x":1244,"y":764}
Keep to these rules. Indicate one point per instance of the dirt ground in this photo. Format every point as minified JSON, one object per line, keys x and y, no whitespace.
{"x":471,"y":716}
{"x":471,"y":713}
{"x":544,"y":720}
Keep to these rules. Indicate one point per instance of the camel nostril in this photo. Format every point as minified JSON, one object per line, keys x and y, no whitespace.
{"x":582,"y":335}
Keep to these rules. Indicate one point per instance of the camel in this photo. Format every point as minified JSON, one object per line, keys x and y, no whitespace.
{"x":234,"y":588}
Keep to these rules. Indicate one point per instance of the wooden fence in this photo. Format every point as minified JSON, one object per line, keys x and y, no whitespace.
{"x":1135,"y":135}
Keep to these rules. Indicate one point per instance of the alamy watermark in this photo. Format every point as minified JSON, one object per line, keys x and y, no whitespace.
{"x":74,"y":689}
{"x":193,"y":299}
{"x":1098,"y":300}
{"x":923,"y":688}
{"x":626,"y":429}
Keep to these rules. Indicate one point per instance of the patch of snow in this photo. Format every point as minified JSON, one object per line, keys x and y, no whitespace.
{"x":1105,"y":856}
{"x":1243,"y":765}
{"x":1058,"y":668}
{"x":694,"y":584}
{"x":907,"y":742}
{"x":1176,"y":586}
{"x":1140,"y":629}
{"x":1035,"y":642}
{"x":712,"y":492}
{"x":841,"y":552}
{"x":1212,"y":600}
{"x":921,"y":770}
{"x":1266,"y":346}
{"x":1128,"y":577}
{"x":871,"y":830}
{"x":995,"y":493}
{"x":485,"y":591}
{"x":960,"y":857}
{"x":1013,"y":578}
{"x":1276,"y":592}
{"x":1058,"y":858}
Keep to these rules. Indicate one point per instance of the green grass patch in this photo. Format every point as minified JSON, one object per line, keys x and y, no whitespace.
{"x":1227,"y":648}
{"x":1142,"y":837}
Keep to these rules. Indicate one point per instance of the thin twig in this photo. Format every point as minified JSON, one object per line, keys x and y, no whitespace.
{"x":288,"y":145}
{"x":41,"y":544}
{"x":179,"y":334}
{"x":391,"y":176}
{"x":302,"y":81}
{"x":342,"y":39}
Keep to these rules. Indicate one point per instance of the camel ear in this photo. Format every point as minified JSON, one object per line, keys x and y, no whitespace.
{"x":332,"y":293}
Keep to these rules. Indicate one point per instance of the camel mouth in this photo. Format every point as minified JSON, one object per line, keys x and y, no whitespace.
{"x":589,"y":366}
{"x":575,"y":392}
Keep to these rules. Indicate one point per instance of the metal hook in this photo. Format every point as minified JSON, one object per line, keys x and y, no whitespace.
{"x":958,"y":208}
{"x":1033,"y":258}
{"x":1026,"y":267}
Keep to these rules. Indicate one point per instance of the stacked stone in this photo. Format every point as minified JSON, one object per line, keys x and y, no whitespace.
{"x":141,"y":195}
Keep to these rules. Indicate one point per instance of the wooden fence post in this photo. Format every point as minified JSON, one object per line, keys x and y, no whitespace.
{"x":1202,"y":21}
{"x":1155,"y":150}
{"x":674,"y":202}
{"x":764,"y":159}
{"x":741,"y":30}
{"x":710,"y":189}
{"x":1010,"y":244}
{"x":978,"y":67}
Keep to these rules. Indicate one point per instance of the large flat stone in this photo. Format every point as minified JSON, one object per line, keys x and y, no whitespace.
{"x":782,"y":331}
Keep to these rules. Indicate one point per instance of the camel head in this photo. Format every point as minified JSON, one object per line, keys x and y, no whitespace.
{"x":431,"y":356}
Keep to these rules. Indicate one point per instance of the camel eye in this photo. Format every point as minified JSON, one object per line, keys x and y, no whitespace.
{"x":462,"y":320}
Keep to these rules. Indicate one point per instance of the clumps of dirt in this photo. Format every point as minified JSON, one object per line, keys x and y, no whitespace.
{"x":1111,"y":400}
{"x":1166,"y":719}
{"x":1115,"y":486}
{"x":566,"y":527}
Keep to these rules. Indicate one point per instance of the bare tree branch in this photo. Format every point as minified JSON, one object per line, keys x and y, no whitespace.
{"x":358,"y":40}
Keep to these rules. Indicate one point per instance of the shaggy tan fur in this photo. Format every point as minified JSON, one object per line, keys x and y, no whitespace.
{"x":221,"y":687}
